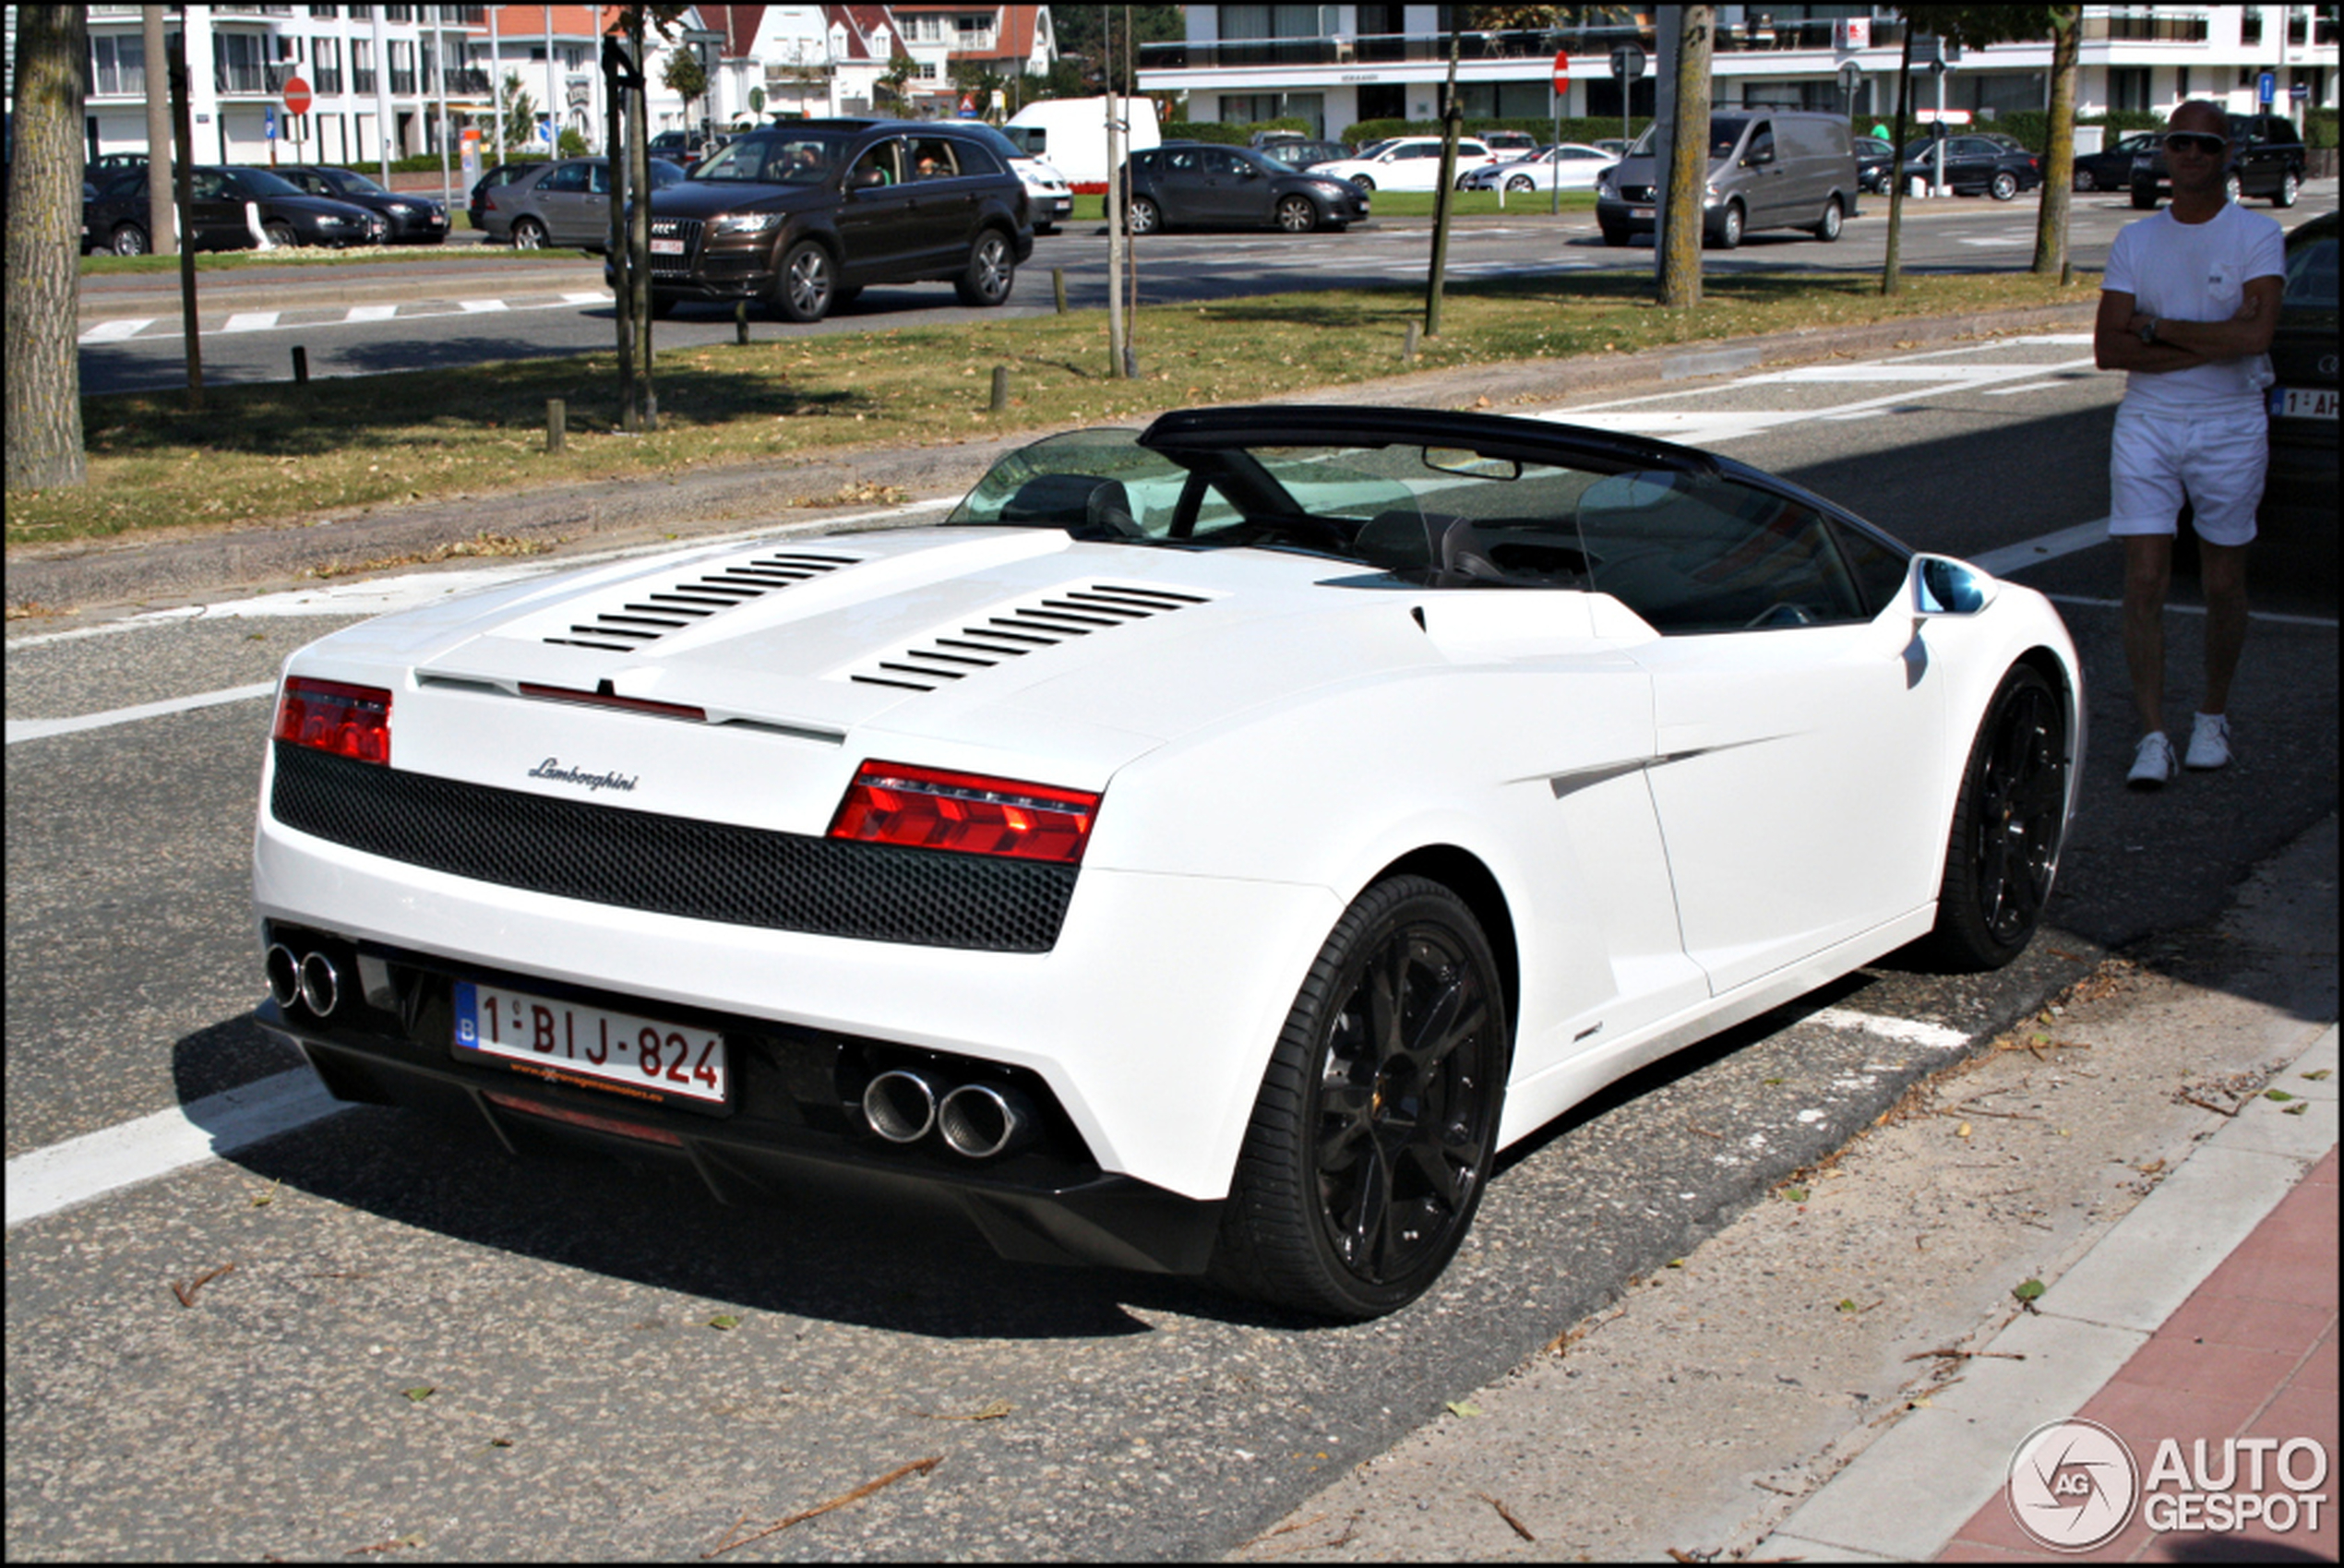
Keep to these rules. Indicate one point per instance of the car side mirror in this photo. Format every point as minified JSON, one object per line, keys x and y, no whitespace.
{"x":1248,"y":172}
{"x":1943,"y":586}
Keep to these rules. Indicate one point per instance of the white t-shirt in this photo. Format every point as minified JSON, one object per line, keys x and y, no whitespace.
{"x":2197,"y":272}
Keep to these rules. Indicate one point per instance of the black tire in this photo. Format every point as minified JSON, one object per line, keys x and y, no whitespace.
{"x":280,"y":233}
{"x":663,"y":306}
{"x":991,"y":271}
{"x":2085,"y":179}
{"x":1143,"y":217}
{"x":2004,"y":845}
{"x":1365,"y":182}
{"x":843,"y":297}
{"x":807,"y":285}
{"x":1297,"y":215}
{"x":1613,"y":235}
{"x":1520,"y":182}
{"x":2004,"y":186}
{"x":1827,"y":230}
{"x":1377,"y":1123}
{"x":1728,"y":231}
{"x":2144,"y":200}
{"x":2288,"y":185}
{"x":128,"y":239}
{"x":1043,"y":230}
{"x":528,"y":234}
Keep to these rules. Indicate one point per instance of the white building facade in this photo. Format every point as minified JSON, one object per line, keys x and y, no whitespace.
{"x":1337,"y":65}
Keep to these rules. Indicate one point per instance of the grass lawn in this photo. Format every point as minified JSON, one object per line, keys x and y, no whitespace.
{"x":281,"y":453}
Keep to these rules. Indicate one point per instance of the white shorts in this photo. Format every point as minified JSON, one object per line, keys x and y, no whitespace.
{"x":2157,"y":460}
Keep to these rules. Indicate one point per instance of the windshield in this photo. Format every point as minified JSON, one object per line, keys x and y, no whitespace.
{"x":791,"y":160}
{"x":260,"y":182}
{"x":1725,"y":135}
{"x":352,"y":180}
{"x":2311,"y":274}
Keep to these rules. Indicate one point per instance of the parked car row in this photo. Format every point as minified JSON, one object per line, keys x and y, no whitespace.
{"x":2266,"y":160}
{"x":229,"y":202}
{"x":1986,"y":163}
{"x":1184,"y":183}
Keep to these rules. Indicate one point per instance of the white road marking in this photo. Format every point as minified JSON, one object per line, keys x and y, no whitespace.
{"x":98,"y":1163}
{"x":363,"y":313}
{"x":38,"y":729}
{"x":479,"y":307}
{"x":251,"y":321}
{"x":2328,"y":622}
{"x":1911,"y":1031}
{"x":2026,"y":387}
{"x":114,"y":331}
{"x":2001,"y":239}
{"x":1692,"y":426}
{"x":2049,"y":546}
{"x":587,"y":296}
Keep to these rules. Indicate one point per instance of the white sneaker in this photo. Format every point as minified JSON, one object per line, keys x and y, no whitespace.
{"x":2209,"y":742}
{"x":2152,"y":764}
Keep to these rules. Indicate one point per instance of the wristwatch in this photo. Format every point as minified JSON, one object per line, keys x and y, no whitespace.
{"x":2148,"y":330}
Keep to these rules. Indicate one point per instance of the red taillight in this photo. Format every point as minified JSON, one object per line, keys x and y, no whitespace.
{"x":931,"y":808}
{"x":349,"y":721}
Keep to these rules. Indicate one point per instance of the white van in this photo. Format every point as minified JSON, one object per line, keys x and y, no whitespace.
{"x":1071,"y":132}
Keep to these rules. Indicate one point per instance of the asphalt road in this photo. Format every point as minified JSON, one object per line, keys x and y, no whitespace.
{"x":453,"y":309}
{"x":423,"y":1344}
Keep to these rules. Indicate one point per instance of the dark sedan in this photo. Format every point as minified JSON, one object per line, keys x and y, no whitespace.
{"x":2299,"y":495}
{"x":2112,"y":170}
{"x":1874,"y":157}
{"x":1203,"y":184}
{"x":228,"y":203}
{"x":1988,"y":164}
{"x":415,"y":219}
{"x":2267,"y":159}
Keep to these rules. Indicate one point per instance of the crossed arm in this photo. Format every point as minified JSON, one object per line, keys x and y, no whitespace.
{"x":2116,"y":342}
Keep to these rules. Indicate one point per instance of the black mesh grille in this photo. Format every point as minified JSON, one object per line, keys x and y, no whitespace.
{"x":672,"y":865}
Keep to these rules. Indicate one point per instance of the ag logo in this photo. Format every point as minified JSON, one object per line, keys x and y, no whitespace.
{"x":2071,"y":1485}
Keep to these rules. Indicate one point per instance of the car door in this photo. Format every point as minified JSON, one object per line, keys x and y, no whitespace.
{"x":1178,"y":184}
{"x":1414,"y":165}
{"x":942,"y":221}
{"x":1798,"y":724}
{"x":217,"y":216}
{"x":877,"y":224}
{"x":1762,"y":183}
{"x":1233,"y":189}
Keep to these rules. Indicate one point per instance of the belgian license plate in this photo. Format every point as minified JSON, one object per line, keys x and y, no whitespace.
{"x":2304,"y":402}
{"x":667,"y":247}
{"x":568,"y":1043}
{"x":1639,"y":211}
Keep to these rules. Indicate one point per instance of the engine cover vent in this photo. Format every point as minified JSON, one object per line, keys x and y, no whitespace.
{"x":1044,"y":621}
{"x":646,"y":617}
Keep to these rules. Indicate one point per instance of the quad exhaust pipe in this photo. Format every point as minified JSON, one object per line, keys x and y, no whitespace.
{"x":977,"y":1121}
{"x":312,"y":980}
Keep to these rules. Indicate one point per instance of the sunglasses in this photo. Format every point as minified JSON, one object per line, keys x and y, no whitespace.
{"x":2197,"y":141}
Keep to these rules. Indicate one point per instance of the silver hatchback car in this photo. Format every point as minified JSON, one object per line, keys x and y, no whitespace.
{"x":564,"y":203}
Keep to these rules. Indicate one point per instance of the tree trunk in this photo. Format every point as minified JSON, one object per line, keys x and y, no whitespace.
{"x":163,"y":219}
{"x":1897,"y":161}
{"x":638,"y":228}
{"x":44,"y":250}
{"x":1688,"y":162}
{"x":1451,"y":122}
{"x":2059,"y":157}
{"x":617,"y":96}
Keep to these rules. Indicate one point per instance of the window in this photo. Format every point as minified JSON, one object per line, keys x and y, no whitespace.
{"x":325,"y":59}
{"x":1693,"y":555}
{"x":117,"y":65}
{"x":570,"y":179}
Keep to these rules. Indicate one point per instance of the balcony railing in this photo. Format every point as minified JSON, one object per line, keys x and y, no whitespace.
{"x":326,"y":80}
{"x":1596,"y":44}
{"x":232,"y":76}
{"x":2133,"y":29}
{"x":402,"y":82}
{"x":361,"y":78}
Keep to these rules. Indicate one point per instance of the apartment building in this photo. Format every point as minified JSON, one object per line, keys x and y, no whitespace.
{"x":1337,"y":65}
{"x":378,"y":76}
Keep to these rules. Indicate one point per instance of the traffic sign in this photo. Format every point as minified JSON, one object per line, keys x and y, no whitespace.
{"x":1562,"y":69}
{"x":296,"y":96}
{"x":268,"y":119}
{"x":2265,"y":87}
{"x":1851,"y":78}
{"x":1628,"y":63}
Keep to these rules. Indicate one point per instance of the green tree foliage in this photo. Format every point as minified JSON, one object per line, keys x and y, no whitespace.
{"x":521,"y":114}
{"x":685,"y":77}
{"x":1083,"y":33}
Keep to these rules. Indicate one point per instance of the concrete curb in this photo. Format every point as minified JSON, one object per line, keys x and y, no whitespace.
{"x":607,"y":512}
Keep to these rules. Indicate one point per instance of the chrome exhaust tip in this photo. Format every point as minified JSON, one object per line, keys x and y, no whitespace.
{"x":899,"y":1105}
{"x":284,"y":975}
{"x":983,"y":1120}
{"x":320,"y":984}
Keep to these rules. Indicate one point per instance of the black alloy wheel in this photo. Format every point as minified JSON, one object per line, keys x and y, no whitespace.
{"x":1143,"y":217}
{"x":1297,"y":215}
{"x":1377,"y":1122}
{"x":2084,"y":180}
{"x":808,"y":284}
{"x":2004,"y":849}
{"x":2003,"y":186}
{"x":991,"y":271}
{"x":129,"y":240}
